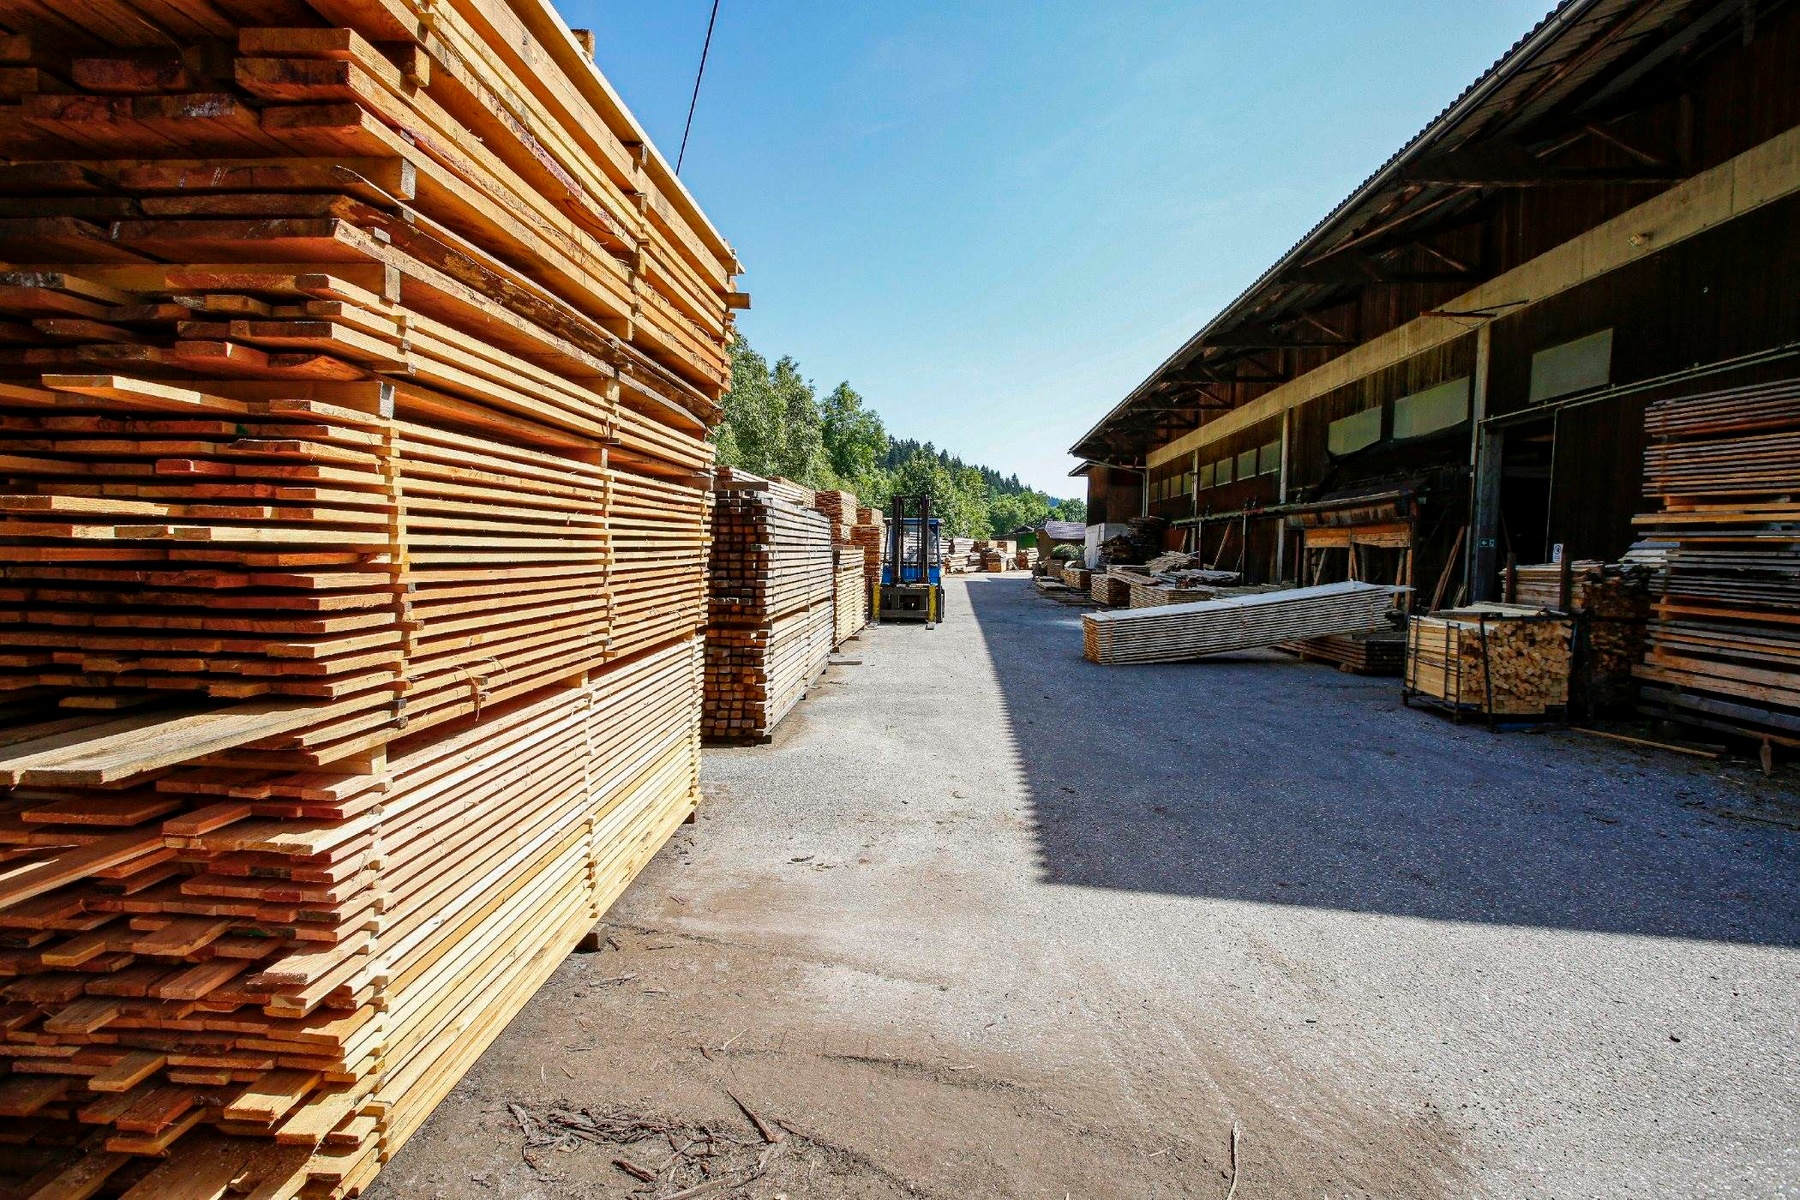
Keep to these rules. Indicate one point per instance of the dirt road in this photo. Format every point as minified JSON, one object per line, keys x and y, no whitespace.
{"x":990,"y":921}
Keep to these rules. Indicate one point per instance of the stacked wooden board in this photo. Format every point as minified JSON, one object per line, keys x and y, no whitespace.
{"x":1078,"y":577}
{"x":867,"y":537}
{"x":849,"y":594}
{"x":1491,"y":659}
{"x":1180,"y":632}
{"x":1150,"y":594}
{"x":770,"y":625}
{"x":1372,"y":652}
{"x":1724,"y":641}
{"x":356,"y":373}
{"x":1111,"y":589}
{"x":840,"y":509}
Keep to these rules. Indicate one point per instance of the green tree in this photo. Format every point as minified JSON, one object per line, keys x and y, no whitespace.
{"x":800,"y":455}
{"x":750,"y":434}
{"x":774,"y":423}
{"x":855,"y":440}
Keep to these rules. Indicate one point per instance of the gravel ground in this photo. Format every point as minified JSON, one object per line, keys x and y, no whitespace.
{"x":990,"y":920}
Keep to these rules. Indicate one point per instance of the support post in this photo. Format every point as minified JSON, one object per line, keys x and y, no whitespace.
{"x":1486,"y":450}
{"x":1287,"y":421}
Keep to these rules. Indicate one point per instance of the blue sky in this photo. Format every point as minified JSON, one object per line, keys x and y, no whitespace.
{"x":995,"y":218}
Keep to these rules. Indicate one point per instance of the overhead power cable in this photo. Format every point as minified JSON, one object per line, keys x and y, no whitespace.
{"x":698,"y":76}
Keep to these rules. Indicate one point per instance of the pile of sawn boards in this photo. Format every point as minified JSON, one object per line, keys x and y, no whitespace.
{"x":1724,"y":639}
{"x":771,"y":622}
{"x":356,"y":368}
{"x":1179,"y":632}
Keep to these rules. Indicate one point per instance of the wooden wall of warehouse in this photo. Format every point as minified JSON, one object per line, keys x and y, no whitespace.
{"x":1573,"y":464}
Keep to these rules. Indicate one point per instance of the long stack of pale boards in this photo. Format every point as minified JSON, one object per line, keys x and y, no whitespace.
{"x":1180,"y":632}
{"x":356,"y":364}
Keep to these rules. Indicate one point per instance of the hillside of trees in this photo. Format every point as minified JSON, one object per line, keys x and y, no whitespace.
{"x":777,"y":424}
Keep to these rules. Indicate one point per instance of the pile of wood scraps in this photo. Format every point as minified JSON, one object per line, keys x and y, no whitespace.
{"x":1181,"y":632}
{"x":356,"y":373}
{"x":772,"y":613}
{"x":1724,"y":639}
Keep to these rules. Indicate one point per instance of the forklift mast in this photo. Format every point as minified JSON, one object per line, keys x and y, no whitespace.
{"x":911,"y":584}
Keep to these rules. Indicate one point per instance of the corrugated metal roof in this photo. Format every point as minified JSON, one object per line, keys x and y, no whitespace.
{"x":1570,"y":47}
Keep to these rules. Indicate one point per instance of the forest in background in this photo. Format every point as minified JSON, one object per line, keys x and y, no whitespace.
{"x":776,"y":423}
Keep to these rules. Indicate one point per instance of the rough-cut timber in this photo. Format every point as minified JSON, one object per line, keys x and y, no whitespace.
{"x":356,"y":371}
{"x":1179,"y":632}
{"x":771,"y":609}
{"x":849,"y":591}
{"x":1724,"y":641}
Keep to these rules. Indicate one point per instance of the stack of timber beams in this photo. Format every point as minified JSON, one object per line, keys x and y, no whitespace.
{"x":1724,"y":639}
{"x":1112,"y":588}
{"x":771,"y":609}
{"x":1375,"y":652}
{"x":867,"y":536}
{"x":1181,"y":632}
{"x":849,"y":593}
{"x":357,"y":365}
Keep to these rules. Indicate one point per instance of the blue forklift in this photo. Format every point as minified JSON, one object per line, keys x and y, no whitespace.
{"x":912,"y":565}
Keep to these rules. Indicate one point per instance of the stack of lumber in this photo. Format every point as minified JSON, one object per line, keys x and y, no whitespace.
{"x":355,"y":385}
{"x":993,"y":560}
{"x":868,"y":535}
{"x":771,"y":609}
{"x":1112,"y":588}
{"x":840,"y":509}
{"x":1078,"y":577}
{"x":1150,"y":593}
{"x":1026,"y":559}
{"x":1539,"y":585}
{"x":1492,"y":659}
{"x":850,"y":595}
{"x":1371,"y":652}
{"x":1724,"y":640}
{"x":1180,"y":632}
{"x":1613,"y":604}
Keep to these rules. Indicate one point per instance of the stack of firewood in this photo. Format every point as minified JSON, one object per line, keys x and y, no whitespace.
{"x":1492,"y":659}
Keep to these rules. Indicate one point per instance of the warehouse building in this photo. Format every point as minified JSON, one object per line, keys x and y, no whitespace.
{"x":1452,"y":368}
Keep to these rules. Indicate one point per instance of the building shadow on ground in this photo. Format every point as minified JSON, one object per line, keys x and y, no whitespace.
{"x":1256,"y":777}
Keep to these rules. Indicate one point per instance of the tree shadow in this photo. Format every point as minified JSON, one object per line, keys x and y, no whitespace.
{"x":1259,"y":778}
